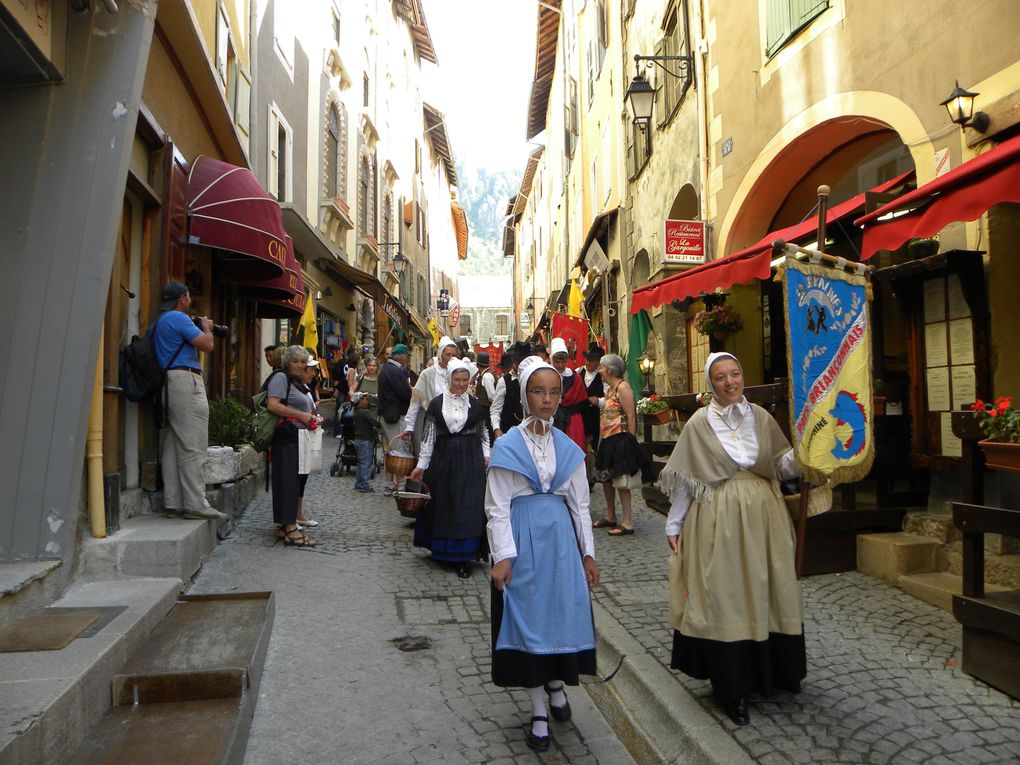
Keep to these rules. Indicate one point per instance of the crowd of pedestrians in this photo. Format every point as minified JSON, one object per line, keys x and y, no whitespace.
{"x":509,"y":462}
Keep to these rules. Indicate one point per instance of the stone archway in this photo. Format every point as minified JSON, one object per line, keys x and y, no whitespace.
{"x":686,"y":205}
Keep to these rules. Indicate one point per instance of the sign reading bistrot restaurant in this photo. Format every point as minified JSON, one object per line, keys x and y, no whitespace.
{"x":685,"y":241}
{"x":829,"y":349}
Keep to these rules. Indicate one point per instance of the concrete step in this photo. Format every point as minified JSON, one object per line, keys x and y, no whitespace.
{"x":188,"y":694}
{"x":1002,"y":570}
{"x":49,"y":700}
{"x":26,"y":587}
{"x":890,"y":556}
{"x":937,"y":588}
{"x":151,"y":546}
{"x":938,"y":526}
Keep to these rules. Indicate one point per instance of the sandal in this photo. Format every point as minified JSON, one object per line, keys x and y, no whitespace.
{"x":604,"y":523}
{"x":301,"y":540}
{"x":620,"y":531}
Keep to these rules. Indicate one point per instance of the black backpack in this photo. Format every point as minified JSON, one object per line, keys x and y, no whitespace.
{"x":141,"y":375}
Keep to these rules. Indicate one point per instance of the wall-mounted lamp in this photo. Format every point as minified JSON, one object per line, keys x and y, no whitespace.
{"x":399,"y":262}
{"x":646,"y":364}
{"x":641,"y":94}
{"x":530,"y":306}
{"x":960,"y":105}
{"x":328,"y":292}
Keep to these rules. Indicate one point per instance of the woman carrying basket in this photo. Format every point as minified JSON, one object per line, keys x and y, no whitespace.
{"x":453,"y":458}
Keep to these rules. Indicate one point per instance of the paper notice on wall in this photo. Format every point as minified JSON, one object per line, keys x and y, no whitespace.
{"x":935,"y":351}
{"x":961,"y":341}
{"x":958,"y":307}
{"x":951,"y":445}
{"x":938,"y":389}
{"x":964,"y":386}
{"x":934,"y":301}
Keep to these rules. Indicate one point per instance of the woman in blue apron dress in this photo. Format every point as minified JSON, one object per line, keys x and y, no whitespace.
{"x":540,"y":537}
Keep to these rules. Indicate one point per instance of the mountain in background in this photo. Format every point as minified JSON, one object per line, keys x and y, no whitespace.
{"x":484,"y":195}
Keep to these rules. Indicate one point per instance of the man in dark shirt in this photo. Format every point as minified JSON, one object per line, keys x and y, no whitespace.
{"x":185,"y":440}
{"x":394,"y":396}
{"x":506,"y":410}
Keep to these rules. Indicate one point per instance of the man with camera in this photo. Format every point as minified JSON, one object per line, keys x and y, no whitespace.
{"x":177,"y":339}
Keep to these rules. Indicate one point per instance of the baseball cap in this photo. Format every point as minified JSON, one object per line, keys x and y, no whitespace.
{"x":172,"y":292}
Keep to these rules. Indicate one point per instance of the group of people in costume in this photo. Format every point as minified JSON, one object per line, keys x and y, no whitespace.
{"x":513,"y":484}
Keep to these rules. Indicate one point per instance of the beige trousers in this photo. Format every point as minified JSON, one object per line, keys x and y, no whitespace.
{"x":185,"y":442}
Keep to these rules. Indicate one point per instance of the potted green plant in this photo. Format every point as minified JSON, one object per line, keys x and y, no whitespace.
{"x":719,"y":322}
{"x":1000,"y":422}
{"x":229,"y":422}
{"x":655,"y":409}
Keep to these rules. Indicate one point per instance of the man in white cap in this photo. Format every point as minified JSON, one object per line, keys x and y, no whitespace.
{"x":574,"y":399}
{"x":431,"y":382}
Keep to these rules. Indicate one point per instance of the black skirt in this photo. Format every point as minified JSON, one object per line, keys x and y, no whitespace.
{"x":621,"y":455}
{"x":739,"y":668}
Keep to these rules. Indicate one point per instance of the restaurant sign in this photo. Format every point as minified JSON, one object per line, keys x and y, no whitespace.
{"x":685,"y":242}
{"x":392,"y":309}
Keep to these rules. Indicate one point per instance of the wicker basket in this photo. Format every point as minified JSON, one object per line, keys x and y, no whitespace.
{"x":398,"y":464}
{"x":819,"y":501}
{"x":412,"y":498}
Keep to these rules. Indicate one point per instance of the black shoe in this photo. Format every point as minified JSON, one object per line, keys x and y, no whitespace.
{"x":538,"y":743}
{"x":737,"y":711}
{"x":464,"y":570}
{"x":560,"y":714}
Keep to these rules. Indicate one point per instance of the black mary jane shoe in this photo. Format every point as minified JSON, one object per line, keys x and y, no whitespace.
{"x":538,"y":743}
{"x":464,"y":570}
{"x":737,"y":711}
{"x":560,"y":714}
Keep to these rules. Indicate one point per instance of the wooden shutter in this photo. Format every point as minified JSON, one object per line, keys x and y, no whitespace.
{"x":242,"y":102}
{"x":802,"y":11}
{"x":174,"y":215}
{"x":661,"y":111}
{"x":777,"y":24}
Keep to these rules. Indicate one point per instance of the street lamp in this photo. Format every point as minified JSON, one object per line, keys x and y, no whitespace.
{"x":646,"y":364}
{"x":642,"y":95}
{"x":960,"y":105}
{"x":399,"y":262}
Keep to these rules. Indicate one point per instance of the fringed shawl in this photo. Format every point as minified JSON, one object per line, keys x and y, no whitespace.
{"x":699,"y":462}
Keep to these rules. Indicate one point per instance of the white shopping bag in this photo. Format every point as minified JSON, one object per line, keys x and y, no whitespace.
{"x":309,"y":451}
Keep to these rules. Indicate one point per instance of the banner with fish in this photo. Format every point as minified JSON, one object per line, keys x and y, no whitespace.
{"x":829,"y":347}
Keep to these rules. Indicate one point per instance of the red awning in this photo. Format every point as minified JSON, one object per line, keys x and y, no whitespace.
{"x":281,"y":288}
{"x":746,"y":265}
{"x":228,"y":209}
{"x":293,"y":306}
{"x":962,"y":194}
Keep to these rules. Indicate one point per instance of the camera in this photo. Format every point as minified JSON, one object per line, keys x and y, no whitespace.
{"x":218,"y":330}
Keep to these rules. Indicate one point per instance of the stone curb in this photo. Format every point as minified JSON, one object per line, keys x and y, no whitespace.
{"x":672,"y":723}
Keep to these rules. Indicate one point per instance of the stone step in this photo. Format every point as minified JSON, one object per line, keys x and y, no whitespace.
{"x":890,"y":556}
{"x":49,"y":700}
{"x":149,"y":545}
{"x":938,"y":526}
{"x":937,"y":588}
{"x":188,"y":694}
{"x":1002,"y":570}
{"x":27,"y":586}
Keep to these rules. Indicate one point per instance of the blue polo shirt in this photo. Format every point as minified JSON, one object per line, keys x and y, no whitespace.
{"x":170,"y":330}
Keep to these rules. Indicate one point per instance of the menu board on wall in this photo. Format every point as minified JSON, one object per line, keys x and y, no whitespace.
{"x":936,"y":350}
{"x":949,"y":353}
{"x":939,"y":399}
{"x":964,"y":384}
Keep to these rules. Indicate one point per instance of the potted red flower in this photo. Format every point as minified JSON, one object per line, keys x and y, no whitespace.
{"x":1000,"y":422}
{"x":655,"y":409}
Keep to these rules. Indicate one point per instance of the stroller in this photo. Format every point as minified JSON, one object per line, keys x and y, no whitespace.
{"x":346,"y":453}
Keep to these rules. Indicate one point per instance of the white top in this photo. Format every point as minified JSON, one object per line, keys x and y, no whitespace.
{"x":455,"y":412}
{"x":504,"y":485}
{"x":734,"y":426}
{"x":489,"y":383}
{"x":590,"y":376}
{"x":431,"y":382}
{"x":498,"y":397}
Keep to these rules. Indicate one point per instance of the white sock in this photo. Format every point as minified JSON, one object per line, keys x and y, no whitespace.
{"x":538,"y":727}
{"x":557,"y":696}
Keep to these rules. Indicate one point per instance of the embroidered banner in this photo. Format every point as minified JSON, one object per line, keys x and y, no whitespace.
{"x":574,"y":332}
{"x":829,"y":357}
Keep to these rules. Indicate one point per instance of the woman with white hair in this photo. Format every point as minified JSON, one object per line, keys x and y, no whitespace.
{"x":543,"y":565}
{"x":734,"y":598}
{"x":454,"y":454}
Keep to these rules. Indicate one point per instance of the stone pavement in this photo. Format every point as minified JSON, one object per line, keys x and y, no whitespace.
{"x":883,"y":684}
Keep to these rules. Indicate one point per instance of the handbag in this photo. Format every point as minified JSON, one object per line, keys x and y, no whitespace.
{"x":309,"y":451}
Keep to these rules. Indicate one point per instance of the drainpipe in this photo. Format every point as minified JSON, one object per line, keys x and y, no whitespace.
{"x":701,"y":84}
{"x":94,"y":452}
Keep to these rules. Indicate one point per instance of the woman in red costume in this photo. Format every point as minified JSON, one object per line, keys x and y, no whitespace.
{"x":575,"y":396}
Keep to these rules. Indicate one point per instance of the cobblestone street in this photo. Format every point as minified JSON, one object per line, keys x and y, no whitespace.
{"x":883,"y":684}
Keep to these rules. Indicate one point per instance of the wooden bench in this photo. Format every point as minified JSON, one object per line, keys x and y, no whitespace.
{"x":991,"y":621}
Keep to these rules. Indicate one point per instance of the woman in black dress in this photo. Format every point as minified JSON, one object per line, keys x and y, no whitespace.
{"x":454,"y":455}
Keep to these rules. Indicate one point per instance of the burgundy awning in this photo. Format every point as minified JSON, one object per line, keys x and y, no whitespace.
{"x":962,"y":194}
{"x":292,"y":306}
{"x":746,"y":265}
{"x":228,"y":209}
{"x":281,"y":288}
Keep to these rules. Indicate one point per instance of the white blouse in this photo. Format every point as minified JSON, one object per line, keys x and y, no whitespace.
{"x":504,"y":485}
{"x":734,"y":426}
{"x":455,"y":412}
{"x":431,"y":382}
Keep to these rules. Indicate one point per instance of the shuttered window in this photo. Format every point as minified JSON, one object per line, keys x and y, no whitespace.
{"x":785,"y":18}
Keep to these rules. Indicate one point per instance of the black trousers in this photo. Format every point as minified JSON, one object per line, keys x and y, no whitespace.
{"x":285,"y":481}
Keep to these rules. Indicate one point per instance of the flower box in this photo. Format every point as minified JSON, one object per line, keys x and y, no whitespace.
{"x":1000,"y":455}
{"x":659,"y":418}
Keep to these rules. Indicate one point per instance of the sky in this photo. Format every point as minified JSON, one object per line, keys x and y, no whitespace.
{"x":486,"y":52}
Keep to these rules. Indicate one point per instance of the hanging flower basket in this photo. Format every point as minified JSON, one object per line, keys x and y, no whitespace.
{"x":1001,"y":456}
{"x":719,"y":322}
